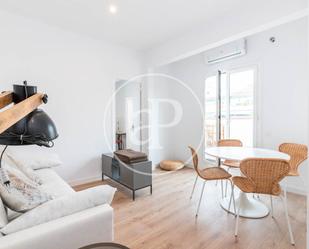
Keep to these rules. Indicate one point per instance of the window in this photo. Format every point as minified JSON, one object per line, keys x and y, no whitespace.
{"x":229,"y":107}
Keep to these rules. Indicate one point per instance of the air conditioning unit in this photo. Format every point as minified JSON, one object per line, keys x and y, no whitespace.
{"x":226,"y":52}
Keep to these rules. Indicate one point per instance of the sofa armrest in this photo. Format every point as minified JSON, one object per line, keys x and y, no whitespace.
{"x":89,"y":226}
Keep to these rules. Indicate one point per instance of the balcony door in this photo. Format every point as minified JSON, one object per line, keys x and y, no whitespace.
{"x":230,"y":106}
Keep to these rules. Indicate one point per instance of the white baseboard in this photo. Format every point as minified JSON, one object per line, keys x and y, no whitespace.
{"x":81,"y":181}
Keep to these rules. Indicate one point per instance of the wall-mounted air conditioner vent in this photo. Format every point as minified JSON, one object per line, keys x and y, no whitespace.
{"x":226,"y":52}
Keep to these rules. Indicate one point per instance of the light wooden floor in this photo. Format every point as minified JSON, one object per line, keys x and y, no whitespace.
{"x":166,"y":220}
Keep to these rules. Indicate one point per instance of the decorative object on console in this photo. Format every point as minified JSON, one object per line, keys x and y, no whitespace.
{"x":171,"y":165}
{"x":121,"y":140}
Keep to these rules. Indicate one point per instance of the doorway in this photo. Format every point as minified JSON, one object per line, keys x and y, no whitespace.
{"x":128,"y":115}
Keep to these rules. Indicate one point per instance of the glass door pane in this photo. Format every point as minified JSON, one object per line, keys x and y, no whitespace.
{"x":230,"y":96}
{"x":242,"y":106}
{"x":211,"y":101}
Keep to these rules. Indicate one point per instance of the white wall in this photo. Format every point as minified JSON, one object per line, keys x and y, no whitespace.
{"x":227,"y":27}
{"x":78,"y":74}
{"x":160,"y":113}
{"x":282,"y":90}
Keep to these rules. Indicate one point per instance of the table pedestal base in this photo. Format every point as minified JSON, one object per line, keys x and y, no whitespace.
{"x":250,"y":207}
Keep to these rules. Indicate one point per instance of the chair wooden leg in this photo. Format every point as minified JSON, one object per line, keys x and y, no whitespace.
{"x":237,"y":215}
{"x":193,"y":187}
{"x":201,"y":197}
{"x":284,"y":200}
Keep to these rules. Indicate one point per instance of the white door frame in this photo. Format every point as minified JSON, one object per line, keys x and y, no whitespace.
{"x":256,"y":113}
{"x":113,"y":115}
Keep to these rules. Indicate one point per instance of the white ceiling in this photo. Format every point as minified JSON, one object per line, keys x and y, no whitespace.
{"x":138,"y":24}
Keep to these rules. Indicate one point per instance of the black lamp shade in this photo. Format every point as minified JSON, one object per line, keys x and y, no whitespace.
{"x":36,"y":128}
{"x":41,"y":126}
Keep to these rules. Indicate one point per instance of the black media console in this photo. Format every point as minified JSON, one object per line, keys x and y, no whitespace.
{"x":134,"y":176}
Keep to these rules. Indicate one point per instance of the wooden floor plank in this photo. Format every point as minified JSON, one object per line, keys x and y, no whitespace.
{"x":166,"y":219}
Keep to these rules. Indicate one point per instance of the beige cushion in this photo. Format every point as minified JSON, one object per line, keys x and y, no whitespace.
{"x":23,"y":167}
{"x":171,"y":165}
{"x":22,"y":194}
{"x":61,"y":207}
{"x":13,"y":169}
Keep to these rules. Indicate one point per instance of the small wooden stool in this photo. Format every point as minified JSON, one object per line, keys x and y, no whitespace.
{"x":171,"y":165}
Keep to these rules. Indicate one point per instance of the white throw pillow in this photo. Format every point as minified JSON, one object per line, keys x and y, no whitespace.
{"x":23,"y":167}
{"x":9,"y":167}
{"x":35,"y":160}
{"x":61,"y":207}
{"x":21,"y":195}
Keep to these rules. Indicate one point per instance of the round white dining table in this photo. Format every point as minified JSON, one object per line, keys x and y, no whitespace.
{"x":251,"y":207}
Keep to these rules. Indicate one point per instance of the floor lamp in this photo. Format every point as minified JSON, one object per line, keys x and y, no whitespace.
{"x":22,"y":123}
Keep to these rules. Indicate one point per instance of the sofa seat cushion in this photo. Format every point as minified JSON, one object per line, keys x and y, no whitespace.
{"x":61,"y":207}
{"x":53,"y":184}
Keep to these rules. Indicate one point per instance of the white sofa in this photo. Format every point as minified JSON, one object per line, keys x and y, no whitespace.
{"x":90,"y":226}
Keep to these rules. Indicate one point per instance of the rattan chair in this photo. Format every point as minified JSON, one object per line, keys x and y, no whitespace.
{"x":230,"y":143}
{"x":262,"y":176}
{"x":210,"y":174}
{"x":298,"y":154}
{"x":228,"y":163}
